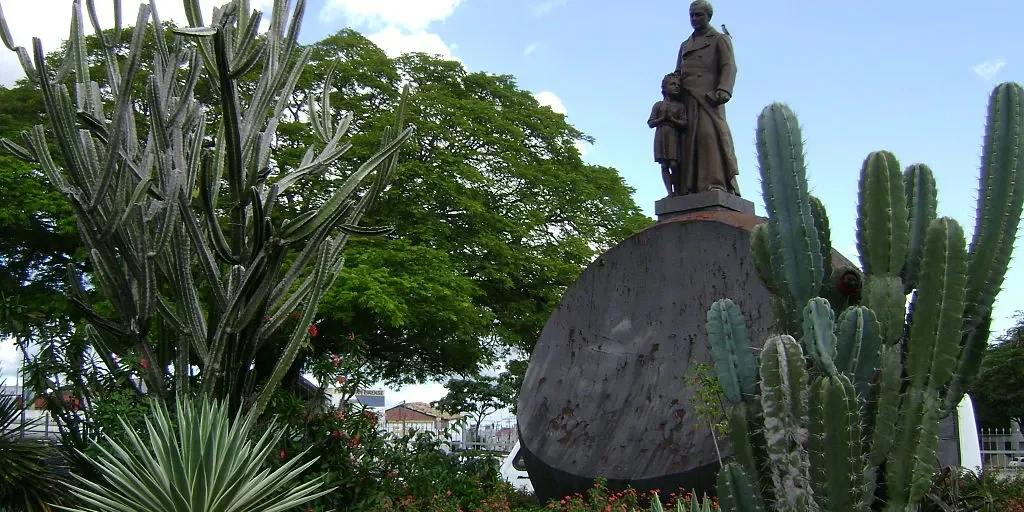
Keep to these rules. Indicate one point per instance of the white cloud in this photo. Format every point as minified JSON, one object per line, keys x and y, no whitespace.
{"x":989,"y":69}
{"x":395,"y":42}
{"x":400,"y":26}
{"x":427,"y":392}
{"x":530,"y":48}
{"x":50,"y":21}
{"x":583,"y":147}
{"x":551,"y":100}
{"x":413,"y":15}
{"x":544,"y":8}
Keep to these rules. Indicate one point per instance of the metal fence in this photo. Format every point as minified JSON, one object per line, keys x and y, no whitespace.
{"x":1000,"y":445}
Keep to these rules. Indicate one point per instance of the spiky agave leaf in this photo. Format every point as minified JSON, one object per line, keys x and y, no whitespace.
{"x":199,"y":460}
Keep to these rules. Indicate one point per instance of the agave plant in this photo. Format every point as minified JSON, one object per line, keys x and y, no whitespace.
{"x":200,"y":461}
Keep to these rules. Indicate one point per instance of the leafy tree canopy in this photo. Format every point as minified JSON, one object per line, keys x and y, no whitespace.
{"x":495,"y":213}
{"x":998,"y":391}
{"x":477,"y":397}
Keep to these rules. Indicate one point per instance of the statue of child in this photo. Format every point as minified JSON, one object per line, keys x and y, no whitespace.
{"x":668,"y":118}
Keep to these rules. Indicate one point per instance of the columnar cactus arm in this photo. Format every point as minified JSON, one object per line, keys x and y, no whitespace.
{"x":796,"y":248}
{"x":743,"y":438}
{"x":820,"y":216}
{"x":1000,"y":201}
{"x":938,"y":306}
{"x":882,"y":230}
{"x":859,"y":346}
{"x":737,"y":491}
{"x":837,"y":459}
{"x":1000,"y":196}
{"x":734,"y":358}
{"x":760,"y":249}
{"x":910,"y":465}
{"x":819,"y":334}
{"x":887,"y":407}
{"x":922,"y":203}
{"x":883,"y":294}
{"x":784,"y":401}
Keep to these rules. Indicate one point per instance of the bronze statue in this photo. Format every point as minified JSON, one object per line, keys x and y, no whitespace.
{"x":708,"y":71}
{"x":668,"y":118}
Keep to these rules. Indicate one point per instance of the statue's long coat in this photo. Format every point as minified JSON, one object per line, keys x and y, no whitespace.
{"x":707,"y":64}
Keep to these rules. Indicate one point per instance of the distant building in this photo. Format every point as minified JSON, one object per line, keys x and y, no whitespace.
{"x":419,"y":416}
{"x":36,"y":413}
{"x":1001,"y":445}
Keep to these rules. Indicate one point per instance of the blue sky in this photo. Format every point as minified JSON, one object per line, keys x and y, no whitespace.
{"x":909,"y":76}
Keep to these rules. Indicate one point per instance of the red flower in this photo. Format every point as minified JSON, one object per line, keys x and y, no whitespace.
{"x":336,"y":434}
{"x":335,"y":360}
{"x":282,"y":454}
{"x":144,"y":363}
{"x":340,"y":414}
{"x":341,"y":379}
{"x":296,"y":314}
{"x":355,"y":441}
{"x":313,"y":331}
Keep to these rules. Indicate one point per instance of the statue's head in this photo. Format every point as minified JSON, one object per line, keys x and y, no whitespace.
{"x":672,"y":85}
{"x":700,"y":14}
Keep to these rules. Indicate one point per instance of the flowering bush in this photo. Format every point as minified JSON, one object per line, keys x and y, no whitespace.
{"x":600,"y":498}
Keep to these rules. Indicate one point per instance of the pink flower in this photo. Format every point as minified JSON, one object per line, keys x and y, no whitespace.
{"x":335,"y":360}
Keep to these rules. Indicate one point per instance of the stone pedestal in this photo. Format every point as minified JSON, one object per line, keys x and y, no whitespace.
{"x":713,"y":200}
{"x":605,"y":394}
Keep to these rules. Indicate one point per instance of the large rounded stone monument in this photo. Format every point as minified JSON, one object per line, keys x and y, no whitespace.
{"x":605,"y":393}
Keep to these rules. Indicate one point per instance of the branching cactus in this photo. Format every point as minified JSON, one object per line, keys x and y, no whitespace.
{"x":882,"y":378}
{"x":180,"y":220}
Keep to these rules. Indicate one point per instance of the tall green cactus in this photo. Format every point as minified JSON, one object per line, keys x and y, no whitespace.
{"x":784,"y":399}
{"x":1000,"y":201}
{"x":737,"y":372}
{"x":886,"y":378}
{"x":882,"y":230}
{"x":796,"y":257}
{"x":198,"y":275}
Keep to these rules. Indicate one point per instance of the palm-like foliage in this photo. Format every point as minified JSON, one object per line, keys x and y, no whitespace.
{"x":199,"y":461}
{"x":26,"y":483}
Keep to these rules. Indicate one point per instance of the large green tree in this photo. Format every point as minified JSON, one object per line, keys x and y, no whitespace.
{"x":495,"y":213}
{"x":38,"y":236}
{"x":477,"y":397}
{"x":494,"y":209}
{"x":998,"y":390}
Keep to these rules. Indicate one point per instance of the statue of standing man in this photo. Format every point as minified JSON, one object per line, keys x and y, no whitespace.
{"x":707,"y":70}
